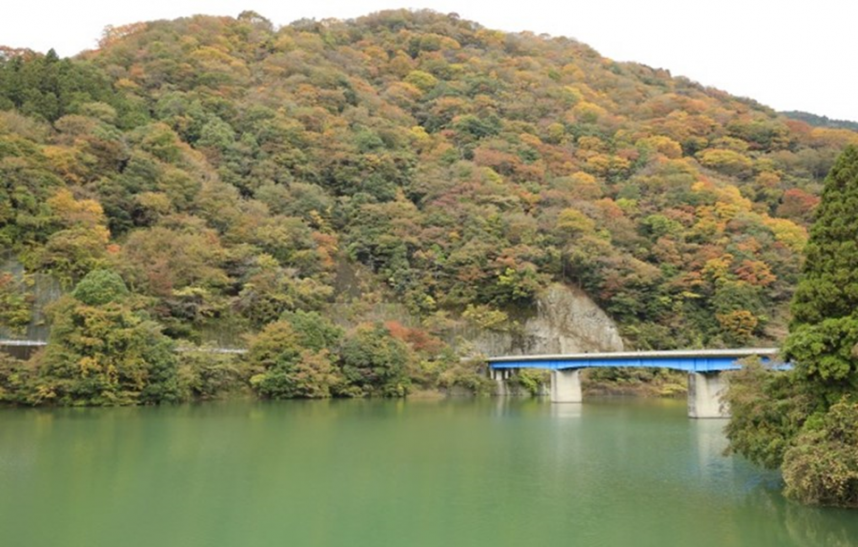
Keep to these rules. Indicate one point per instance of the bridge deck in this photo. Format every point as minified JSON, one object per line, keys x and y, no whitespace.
{"x":712,"y":360}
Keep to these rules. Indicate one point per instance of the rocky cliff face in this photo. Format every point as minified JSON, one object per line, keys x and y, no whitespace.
{"x":566,"y":321}
{"x":41,"y":290}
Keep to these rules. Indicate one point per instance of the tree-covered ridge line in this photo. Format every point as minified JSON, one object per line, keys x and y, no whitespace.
{"x":231,"y":173}
{"x":820,"y":121}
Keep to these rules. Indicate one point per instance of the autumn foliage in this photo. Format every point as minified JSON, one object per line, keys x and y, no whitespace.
{"x":233,"y":172}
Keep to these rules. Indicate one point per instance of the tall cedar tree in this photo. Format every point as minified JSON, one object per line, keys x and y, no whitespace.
{"x":804,"y":421}
{"x":824,"y":328}
{"x":821,"y":466}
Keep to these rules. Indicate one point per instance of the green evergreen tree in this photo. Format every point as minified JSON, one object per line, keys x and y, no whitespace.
{"x":824,"y":329}
{"x":804,"y":422}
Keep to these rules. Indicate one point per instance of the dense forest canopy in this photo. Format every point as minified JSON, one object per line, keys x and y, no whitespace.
{"x":233,"y":173}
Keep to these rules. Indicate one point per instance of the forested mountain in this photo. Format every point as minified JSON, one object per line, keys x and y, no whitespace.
{"x":231,"y":172}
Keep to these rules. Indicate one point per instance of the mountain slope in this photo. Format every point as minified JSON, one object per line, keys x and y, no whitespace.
{"x":225,"y":168}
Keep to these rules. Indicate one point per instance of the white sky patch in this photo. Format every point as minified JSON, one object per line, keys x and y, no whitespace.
{"x":790,"y":55}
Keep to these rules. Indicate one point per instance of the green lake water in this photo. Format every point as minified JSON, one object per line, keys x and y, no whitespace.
{"x":465,"y":473}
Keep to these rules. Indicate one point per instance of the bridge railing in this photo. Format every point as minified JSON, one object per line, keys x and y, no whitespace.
{"x":24,"y":343}
{"x":183,"y":349}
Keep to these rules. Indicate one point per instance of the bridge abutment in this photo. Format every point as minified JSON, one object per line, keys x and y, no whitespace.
{"x":704,"y":395}
{"x":566,"y":386}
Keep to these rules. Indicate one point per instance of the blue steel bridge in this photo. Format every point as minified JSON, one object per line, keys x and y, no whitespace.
{"x":704,"y":360}
{"x":703,"y":367}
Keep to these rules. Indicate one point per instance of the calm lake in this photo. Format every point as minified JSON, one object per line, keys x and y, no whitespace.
{"x":491,"y":472}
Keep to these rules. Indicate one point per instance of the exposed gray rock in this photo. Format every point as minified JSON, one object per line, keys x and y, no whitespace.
{"x":566,"y":321}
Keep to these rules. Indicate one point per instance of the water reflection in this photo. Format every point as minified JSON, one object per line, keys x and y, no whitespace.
{"x":566,"y":410}
{"x":799,"y":525}
{"x":713,"y":466}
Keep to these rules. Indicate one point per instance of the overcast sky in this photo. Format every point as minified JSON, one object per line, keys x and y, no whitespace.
{"x":788,"y":54}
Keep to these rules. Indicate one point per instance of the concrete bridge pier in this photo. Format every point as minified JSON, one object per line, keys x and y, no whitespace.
{"x":704,"y":395}
{"x":566,"y":386}
{"x":500,"y":376}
